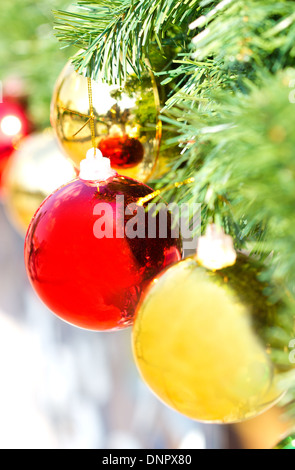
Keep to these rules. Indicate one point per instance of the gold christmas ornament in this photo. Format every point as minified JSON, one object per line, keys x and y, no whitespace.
{"x":196,"y":339}
{"x":35,"y":170}
{"x":127,"y":128}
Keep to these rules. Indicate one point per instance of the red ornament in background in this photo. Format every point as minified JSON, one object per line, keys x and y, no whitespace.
{"x":14,"y":125}
{"x":91,"y":282}
{"x":123,"y":151}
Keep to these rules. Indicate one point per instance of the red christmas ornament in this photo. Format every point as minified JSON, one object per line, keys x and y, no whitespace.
{"x":14,"y":125}
{"x":82,"y":257}
{"x":123,"y":151}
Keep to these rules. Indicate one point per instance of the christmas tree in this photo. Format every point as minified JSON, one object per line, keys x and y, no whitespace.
{"x":226,"y":69}
{"x":223,"y":121}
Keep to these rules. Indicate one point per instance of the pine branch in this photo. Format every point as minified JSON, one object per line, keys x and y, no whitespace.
{"x":117,"y":35}
{"x":251,"y":32}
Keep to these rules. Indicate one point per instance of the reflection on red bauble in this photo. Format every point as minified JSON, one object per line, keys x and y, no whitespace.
{"x":123,"y":151}
{"x":91,"y":282}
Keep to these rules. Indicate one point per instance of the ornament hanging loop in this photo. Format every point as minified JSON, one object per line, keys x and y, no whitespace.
{"x":216,"y":249}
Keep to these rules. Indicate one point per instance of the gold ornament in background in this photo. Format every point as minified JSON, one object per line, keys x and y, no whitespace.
{"x":34,"y":171}
{"x":127,"y":126}
{"x":196,"y":341}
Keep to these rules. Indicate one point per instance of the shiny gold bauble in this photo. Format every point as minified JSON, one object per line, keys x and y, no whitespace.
{"x":196,"y":342}
{"x":34,"y":171}
{"x":126,"y":121}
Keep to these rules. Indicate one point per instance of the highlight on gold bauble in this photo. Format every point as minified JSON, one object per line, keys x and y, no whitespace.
{"x":127,"y":126}
{"x":34,"y":171}
{"x":196,"y":341}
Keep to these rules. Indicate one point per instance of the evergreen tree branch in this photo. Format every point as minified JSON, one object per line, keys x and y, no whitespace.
{"x":115,"y":35}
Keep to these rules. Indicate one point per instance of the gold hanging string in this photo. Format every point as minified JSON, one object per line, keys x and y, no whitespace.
{"x":156,"y":193}
{"x":92,"y":117}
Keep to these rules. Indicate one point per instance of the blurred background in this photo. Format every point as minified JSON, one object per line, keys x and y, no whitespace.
{"x":62,"y":387}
